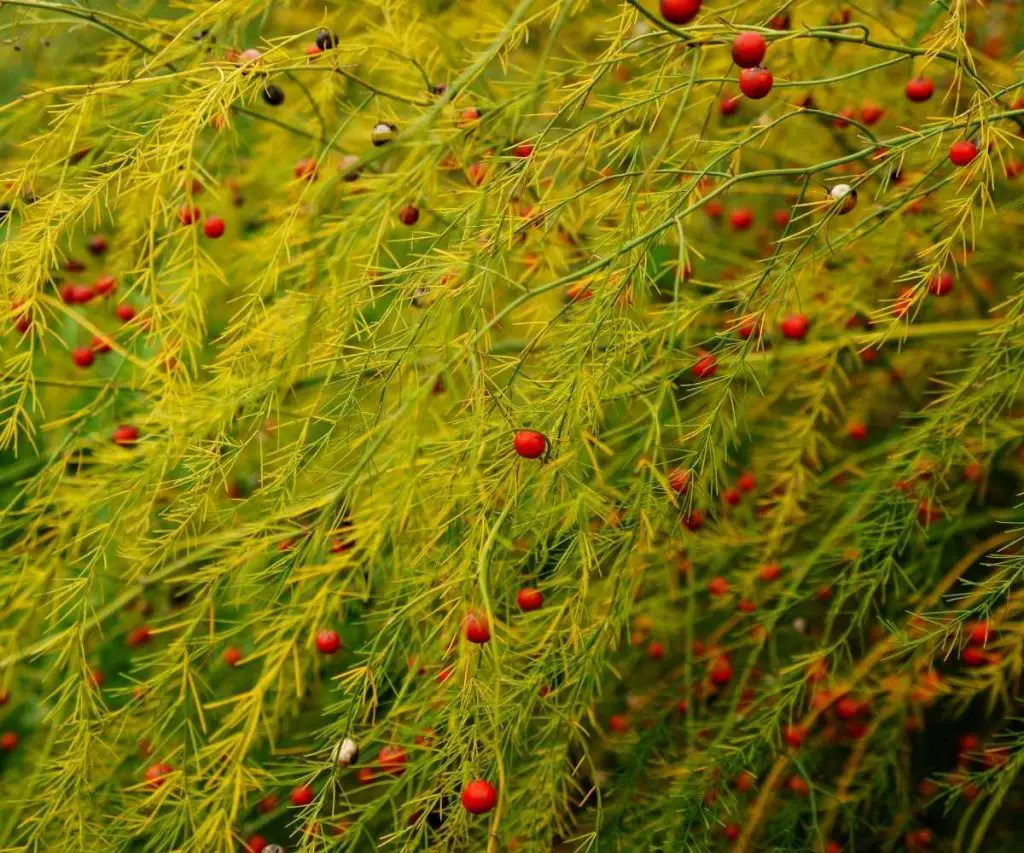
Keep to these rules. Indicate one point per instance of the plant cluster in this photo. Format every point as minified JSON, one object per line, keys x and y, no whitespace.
{"x":533,"y":425}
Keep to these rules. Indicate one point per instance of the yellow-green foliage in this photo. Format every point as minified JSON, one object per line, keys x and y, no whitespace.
{"x":326,"y":397}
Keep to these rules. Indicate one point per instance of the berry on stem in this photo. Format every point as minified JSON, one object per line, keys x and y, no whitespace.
{"x":213,"y":227}
{"x":529,"y":599}
{"x":748,"y":49}
{"x":679,"y":11}
{"x":963,"y":152}
{"x":328,"y":641}
{"x":476,"y":628}
{"x":530,"y":444}
{"x":479,"y":797}
{"x":919,"y":89}
{"x":756,"y":82}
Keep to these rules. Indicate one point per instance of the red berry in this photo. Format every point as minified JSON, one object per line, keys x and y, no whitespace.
{"x":232,"y":656}
{"x":188,"y":213}
{"x":328,"y":641}
{"x":302,"y":796}
{"x":973,"y":656}
{"x":978,"y":633}
{"x":748,"y":49}
{"x":871,"y":113}
{"x":747,"y":482}
{"x":139,"y":636}
{"x":795,"y":326}
{"x":125,"y":435}
{"x":769,"y":572}
{"x":679,"y":11}
{"x":756,"y":82}
{"x":919,"y":89}
{"x":409,"y":214}
{"x":705,"y":367}
{"x":268,"y":803}
{"x":125,"y":312}
{"x":97,"y":244}
{"x":305,"y":168}
{"x":721,"y":671}
{"x":793,"y":735}
{"x":477,"y":629}
{"x":926,"y":513}
{"x":679,"y":480}
{"x":392,"y":760}
{"x":780,"y":217}
{"x":82,"y":356}
{"x":940,"y":285}
{"x":530,"y":444}
{"x":529,"y":599}
{"x":728,"y":105}
{"x":694,"y":521}
{"x":8,"y":741}
{"x":479,"y":797}
{"x":741,"y":219}
{"x":255,"y":844}
{"x":857,"y":431}
{"x":714,"y":209}
{"x":213,"y":227}
{"x":656,"y":651}
{"x":718,"y":586}
{"x":731,"y":831}
{"x":732,"y":496}
{"x":963,"y":152}
{"x":523,"y":150}
{"x":100,"y":345}
{"x":156,"y":775}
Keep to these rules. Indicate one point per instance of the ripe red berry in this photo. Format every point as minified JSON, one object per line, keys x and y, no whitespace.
{"x":857,"y":431}
{"x":477,"y":629}
{"x":392,"y":760}
{"x":328,"y":641}
{"x":188,"y":213}
{"x":718,"y":586}
{"x":125,"y":435}
{"x":732,"y":496}
{"x":973,"y":656}
{"x":232,"y":656}
{"x":978,"y":633}
{"x":656,"y":651}
{"x":409,"y":214}
{"x":769,"y":572}
{"x":705,"y":367}
{"x":731,"y":831}
{"x":793,"y":735}
{"x":156,"y":775}
{"x":479,"y":797}
{"x":523,"y":150}
{"x":100,"y":345}
{"x":679,"y":480}
{"x":302,"y":795}
{"x":747,"y":482}
{"x":82,"y":357}
{"x":679,"y":11}
{"x":97,"y":244}
{"x":756,"y":82}
{"x":721,"y":671}
{"x":213,"y":227}
{"x":963,"y":152}
{"x":741,"y":219}
{"x":919,"y":89}
{"x":139,"y":636}
{"x":729,"y":104}
{"x":305,"y":168}
{"x":255,"y":844}
{"x":748,"y":49}
{"x":694,"y":520}
{"x":871,"y":113}
{"x":940,"y":285}
{"x":529,"y":599}
{"x":125,"y":312}
{"x":8,"y":741}
{"x":795,"y":326}
{"x":927,"y":513}
{"x":268,"y":803}
{"x":530,"y":444}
